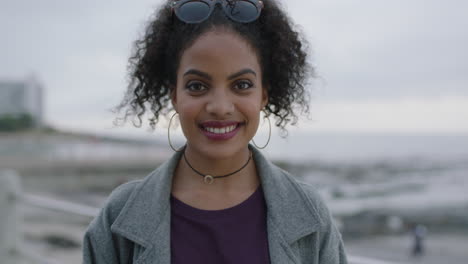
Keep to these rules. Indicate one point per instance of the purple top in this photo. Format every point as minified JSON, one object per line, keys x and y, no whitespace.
{"x":234,"y":235}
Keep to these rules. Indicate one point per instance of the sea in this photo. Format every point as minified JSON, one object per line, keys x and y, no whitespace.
{"x":300,"y":147}
{"x":420,"y":178}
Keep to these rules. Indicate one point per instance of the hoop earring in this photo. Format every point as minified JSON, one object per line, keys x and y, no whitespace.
{"x":269,"y":134}
{"x":169,"y":134}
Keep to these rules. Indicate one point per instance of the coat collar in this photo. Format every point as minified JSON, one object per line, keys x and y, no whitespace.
{"x":145,"y":218}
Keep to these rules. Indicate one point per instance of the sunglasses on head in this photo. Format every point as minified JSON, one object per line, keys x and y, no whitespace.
{"x":196,"y":11}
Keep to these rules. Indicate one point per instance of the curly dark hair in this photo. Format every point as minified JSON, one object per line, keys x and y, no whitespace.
{"x":156,"y":56}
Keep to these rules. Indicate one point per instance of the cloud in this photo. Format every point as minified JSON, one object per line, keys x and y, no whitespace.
{"x":375,"y":49}
{"x":407,"y":115}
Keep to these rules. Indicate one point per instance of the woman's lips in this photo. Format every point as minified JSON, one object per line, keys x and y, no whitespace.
{"x":220,"y":130}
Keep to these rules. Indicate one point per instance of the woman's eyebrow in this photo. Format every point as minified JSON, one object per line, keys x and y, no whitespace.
{"x":230,"y":77}
{"x":199,"y":73}
{"x":241,"y":72}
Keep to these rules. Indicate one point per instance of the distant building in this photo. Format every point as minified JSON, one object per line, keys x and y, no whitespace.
{"x":22,"y":97}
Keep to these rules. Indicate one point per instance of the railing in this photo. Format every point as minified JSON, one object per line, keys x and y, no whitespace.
{"x":11,"y":250}
{"x":364,"y":260}
{"x":63,"y":206}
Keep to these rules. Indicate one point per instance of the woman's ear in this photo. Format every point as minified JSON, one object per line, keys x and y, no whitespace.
{"x":264,"y":97}
{"x":173,"y":96}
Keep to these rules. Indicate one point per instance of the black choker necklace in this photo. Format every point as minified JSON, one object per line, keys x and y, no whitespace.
{"x":208,"y":178}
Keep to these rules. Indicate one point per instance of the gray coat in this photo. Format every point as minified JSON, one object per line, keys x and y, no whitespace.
{"x":134,"y":225}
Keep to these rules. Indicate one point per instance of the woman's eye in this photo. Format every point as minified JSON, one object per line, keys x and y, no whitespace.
{"x":243,"y":85}
{"x":195,"y":86}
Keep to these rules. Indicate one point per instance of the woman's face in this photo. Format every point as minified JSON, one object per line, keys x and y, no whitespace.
{"x":219,"y":94}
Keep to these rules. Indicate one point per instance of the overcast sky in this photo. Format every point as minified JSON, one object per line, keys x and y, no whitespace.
{"x":384,"y":66}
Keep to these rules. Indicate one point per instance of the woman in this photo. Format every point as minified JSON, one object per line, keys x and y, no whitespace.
{"x":217,"y":64}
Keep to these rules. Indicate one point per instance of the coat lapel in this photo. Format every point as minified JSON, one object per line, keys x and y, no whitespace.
{"x":290,"y":214}
{"x":146,"y":217}
{"x":280,"y":251}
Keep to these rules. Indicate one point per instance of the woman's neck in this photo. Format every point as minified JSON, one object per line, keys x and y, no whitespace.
{"x":185,"y":178}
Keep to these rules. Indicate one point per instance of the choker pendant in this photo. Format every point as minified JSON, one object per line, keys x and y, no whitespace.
{"x":208,"y":179}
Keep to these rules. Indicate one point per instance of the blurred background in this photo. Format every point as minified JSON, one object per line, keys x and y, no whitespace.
{"x":386,"y":143}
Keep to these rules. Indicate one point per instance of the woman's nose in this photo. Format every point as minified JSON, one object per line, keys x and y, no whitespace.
{"x":220,"y":104}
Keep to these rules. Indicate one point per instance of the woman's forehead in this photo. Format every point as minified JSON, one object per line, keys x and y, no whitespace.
{"x":219,"y":51}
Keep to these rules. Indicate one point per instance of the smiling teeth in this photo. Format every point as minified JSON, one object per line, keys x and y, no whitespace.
{"x":221,"y":130}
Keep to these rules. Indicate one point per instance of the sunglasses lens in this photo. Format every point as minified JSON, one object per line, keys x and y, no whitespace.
{"x":193,"y":12}
{"x":242,"y":11}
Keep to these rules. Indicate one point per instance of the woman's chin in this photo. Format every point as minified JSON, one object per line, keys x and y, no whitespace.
{"x":219,"y":151}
